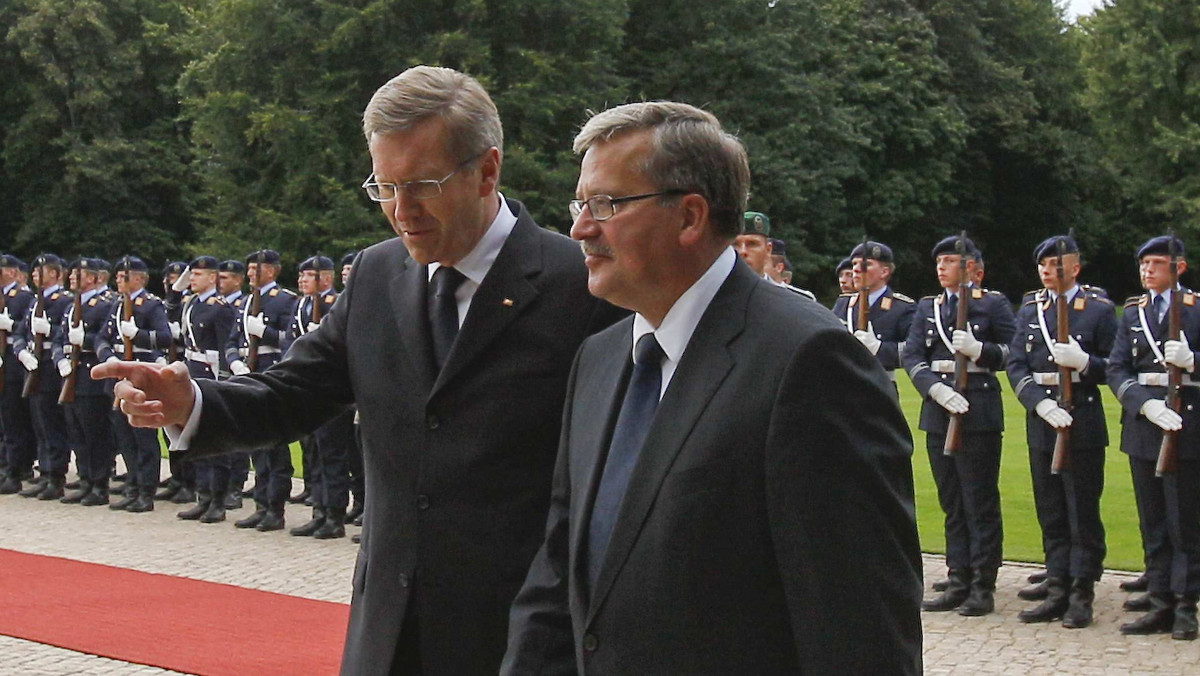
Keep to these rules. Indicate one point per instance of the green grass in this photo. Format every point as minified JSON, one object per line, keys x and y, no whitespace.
{"x":1022,"y":537}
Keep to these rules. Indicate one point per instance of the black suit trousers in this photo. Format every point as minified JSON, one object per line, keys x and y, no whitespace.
{"x":1068,"y":511}
{"x":969,"y":494}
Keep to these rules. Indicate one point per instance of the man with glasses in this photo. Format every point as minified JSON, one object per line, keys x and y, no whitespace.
{"x":733,"y":492}
{"x":454,"y":339}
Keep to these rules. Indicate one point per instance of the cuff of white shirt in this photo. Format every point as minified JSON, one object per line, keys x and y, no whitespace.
{"x":181,"y":437}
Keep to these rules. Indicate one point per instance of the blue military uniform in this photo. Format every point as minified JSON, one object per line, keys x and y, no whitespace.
{"x":20,"y":445}
{"x":49,"y":425}
{"x":1067,"y":504}
{"x":1168,"y":506}
{"x":967,"y":481}
{"x":890,"y":315}
{"x":272,"y":466}
{"x":239,"y":468}
{"x":181,"y":486}
{"x":88,"y":415}
{"x":139,"y":446}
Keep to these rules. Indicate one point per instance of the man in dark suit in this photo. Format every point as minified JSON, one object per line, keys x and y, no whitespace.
{"x":460,"y":390}
{"x":737,"y":498}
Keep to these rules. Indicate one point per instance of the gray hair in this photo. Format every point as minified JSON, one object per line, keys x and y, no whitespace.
{"x":689,"y":151}
{"x":424,"y":92}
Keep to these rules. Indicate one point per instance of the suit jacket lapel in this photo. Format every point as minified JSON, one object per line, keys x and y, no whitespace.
{"x":705,"y":364}
{"x":411,"y":314}
{"x":500,"y":299}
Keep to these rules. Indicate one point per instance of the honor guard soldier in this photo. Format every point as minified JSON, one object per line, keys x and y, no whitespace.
{"x":330,"y":457}
{"x":207,"y":322}
{"x":967,"y":479}
{"x":231,"y":275}
{"x":263,"y":332}
{"x":20,"y":444}
{"x":754,"y":247}
{"x":86,"y":403}
{"x":1168,"y":505}
{"x":889,"y":315}
{"x":35,"y":351}
{"x":845,"y":275}
{"x":354,"y":442}
{"x":141,"y":337}
{"x":180,"y":487}
{"x":1067,"y":498}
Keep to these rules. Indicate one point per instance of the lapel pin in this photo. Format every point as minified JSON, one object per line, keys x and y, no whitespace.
{"x":508,"y":302}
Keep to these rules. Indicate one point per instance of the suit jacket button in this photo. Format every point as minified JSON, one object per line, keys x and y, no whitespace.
{"x":590,"y":643}
{"x":422,"y":502}
{"x":403,"y":580}
{"x":432,"y":422}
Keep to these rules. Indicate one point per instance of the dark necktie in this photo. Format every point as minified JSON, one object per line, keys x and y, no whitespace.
{"x":1158,"y":309}
{"x":633,"y":422}
{"x":951,"y":311}
{"x":443,"y":311}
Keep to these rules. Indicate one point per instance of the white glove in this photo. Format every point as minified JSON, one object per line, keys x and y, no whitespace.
{"x":868,"y":338}
{"x":40,"y":325}
{"x":313,"y":326}
{"x":1053,"y":414}
{"x":161,"y":361}
{"x":256,"y":325}
{"x":112,"y":359}
{"x":64,"y":367}
{"x":184,"y":281}
{"x":948,"y":399}
{"x":1179,"y":353}
{"x":75,"y":335}
{"x":966,"y":343}
{"x":1070,"y":355}
{"x":1156,"y":411}
{"x":239,"y":368}
{"x":27,"y":359}
{"x":176,"y":331}
{"x":6,"y":321}
{"x":129,"y":328}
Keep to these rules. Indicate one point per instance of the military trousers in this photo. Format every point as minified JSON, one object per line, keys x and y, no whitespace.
{"x":969,"y":494}
{"x":20,"y":444}
{"x":1068,"y":511}
{"x":141,"y":450}
{"x":49,"y":423}
{"x":333,"y":462}
{"x":1169,"y":514}
{"x":272,"y":475}
{"x":88,"y":420}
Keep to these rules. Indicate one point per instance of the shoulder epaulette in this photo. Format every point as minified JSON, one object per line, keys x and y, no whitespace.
{"x":847,"y":295}
{"x":55,"y":296}
{"x":1100,"y":299}
{"x":215,"y":299}
{"x":1132,"y":300}
{"x":288,"y":292}
{"x":150,"y":296}
{"x":994,"y":292}
{"x":933,"y":297}
{"x":903,"y":298}
{"x":328,"y":299}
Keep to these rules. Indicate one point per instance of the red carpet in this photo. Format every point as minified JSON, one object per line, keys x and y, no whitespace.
{"x":165,"y":621}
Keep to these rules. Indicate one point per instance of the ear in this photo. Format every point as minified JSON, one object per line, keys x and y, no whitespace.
{"x":489,"y":171}
{"x":1182,"y":266}
{"x":695,"y":225}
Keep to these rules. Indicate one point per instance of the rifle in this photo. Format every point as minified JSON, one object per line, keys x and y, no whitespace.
{"x":127,"y":313}
{"x":3,"y":339}
{"x":1062,"y":437}
{"x":255,"y":308}
{"x":1168,"y":451}
{"x":173,"y":346}
{"x":864,"y":294}
{"x":33,"y":379}
{"x":67,"y":394}
{"x":954,"y":431}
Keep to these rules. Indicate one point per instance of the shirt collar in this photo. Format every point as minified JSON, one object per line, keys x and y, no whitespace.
{"x":268,"y":287}
{"x":234,"y":296}
{"x":207,"y":294}
{"x":680,"y":322}
{"x":876,"y":294}
{"x":475,"y":265}
{"x":87,"y":295}
{"x":10,"y":286}
{"x":50,"y":290}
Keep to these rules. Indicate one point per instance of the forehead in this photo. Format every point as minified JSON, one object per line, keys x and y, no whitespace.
{"x":414,"y":154}
{"x":615,"y":166}
{"x":751,"y":238}
{"x":949,"y":258}
{"x":1156,"y":259}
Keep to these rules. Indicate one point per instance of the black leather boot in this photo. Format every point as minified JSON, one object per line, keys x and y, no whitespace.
{"x":216,"y":509}
{"x":1037,"y":578}
{"x":318,"y":520}
{"x":124,"y":503}
{"x":1079,"y":613}
{"x":1138,"y":604}
{"x":35,"y":488}
{"x":957,"y":590}
{"x":169,"y":491}
{"x":98,"y":494}
{"x":194,"y":513}
{"x":10,"y":486}
{"x":260,"y":511}
{"x":144,"y":502}
{"x":183,"y":496}
{"x":53,"y":489}
{"x":300,"y":497}
{"x":1036,"y":592}
{"x":76,"y":497}
{"x":982,"y":599}
{"x":1159,"y":620}
{"x":356,"y":538}
{"x":273,"y":519}
{"x":1185,"y":627}
{"x":233,"y":499}
{"x":1139,"y":584}
{"x":354,"y":512}
{"x":334,"y":526}
{"x":1053,"y":607}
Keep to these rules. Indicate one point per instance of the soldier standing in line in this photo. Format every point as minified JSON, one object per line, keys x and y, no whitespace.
{"x":35,"y":352}
{"x":231,"y":275}
{"x":845,"y":275}
{"x":20,"y":445}
{"x":206,"y":323}
{"x":1067,"y":503}
{"x":968,"y":479}
{"x":87,"y":415}
{"x":890,"y":313}
{"x":754,"y":247}
{"x":180,"y":487}
{"x":149,"y":334}
{"x":272,"y":466}
{"x":330,"y":470}
{"x":1168,"y":505}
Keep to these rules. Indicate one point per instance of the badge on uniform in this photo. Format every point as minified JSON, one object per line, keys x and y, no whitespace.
{"x":1079,"y":303}
{"x":1189,"y":299}
{"x":977,"y":293}
{"x":274,"y":292}
{"x":139,"y":301}
{"x":55,"y":295}
{"x":885,"y":304}
{"x":92,"y":303}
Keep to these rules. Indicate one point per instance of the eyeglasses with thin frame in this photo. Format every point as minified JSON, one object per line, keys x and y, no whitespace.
{"x":418,"y":190}
{"x":604,"y":207}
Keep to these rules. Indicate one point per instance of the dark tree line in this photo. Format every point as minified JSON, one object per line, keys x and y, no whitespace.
{"x":175,"y":127}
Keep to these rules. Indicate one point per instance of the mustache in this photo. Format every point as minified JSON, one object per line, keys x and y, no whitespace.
{"x":595,"y":249}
